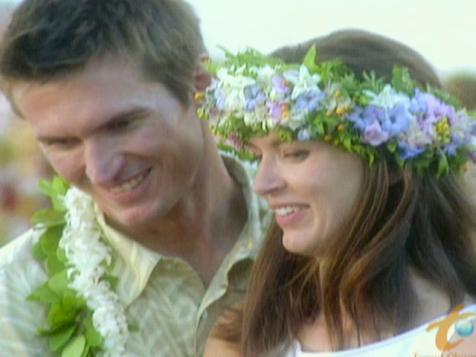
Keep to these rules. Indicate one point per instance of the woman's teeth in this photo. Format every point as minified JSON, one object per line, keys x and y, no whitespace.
{"x":287,"y":210}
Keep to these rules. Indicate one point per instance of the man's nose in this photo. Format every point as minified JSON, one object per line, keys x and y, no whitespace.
{"x":102,"y":161}
{"x":268,"y":178}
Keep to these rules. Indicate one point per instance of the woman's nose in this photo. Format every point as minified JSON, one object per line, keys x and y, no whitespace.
{"x":268,"y":178}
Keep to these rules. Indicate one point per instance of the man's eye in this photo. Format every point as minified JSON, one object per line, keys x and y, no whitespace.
{"x":119,"y":125}
{"x":61,"y":143}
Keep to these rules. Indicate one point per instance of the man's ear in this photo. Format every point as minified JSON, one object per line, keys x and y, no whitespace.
{"x":201,"y":77}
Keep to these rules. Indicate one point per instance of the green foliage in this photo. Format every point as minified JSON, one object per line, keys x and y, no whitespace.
{"x":401,"y":81}
{"x":248,"y":59}
{"x":69,"y":327}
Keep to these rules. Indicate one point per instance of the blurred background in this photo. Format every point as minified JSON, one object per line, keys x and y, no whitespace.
{"x":444,"y":31}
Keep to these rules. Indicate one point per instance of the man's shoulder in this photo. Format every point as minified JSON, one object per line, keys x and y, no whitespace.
{"x":20,"y":274}
{"x":19,"y":248}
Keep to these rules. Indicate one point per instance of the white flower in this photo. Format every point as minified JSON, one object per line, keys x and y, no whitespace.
{"x":388,"y":98}
{"x":88,"y":258}
{"x":264,"y":74}
{"x":231,"y":91}
{"x":303,"y":82}
{"x":415,"y":137}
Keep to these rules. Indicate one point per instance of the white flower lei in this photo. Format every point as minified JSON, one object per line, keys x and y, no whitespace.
{"x":88,"y":258}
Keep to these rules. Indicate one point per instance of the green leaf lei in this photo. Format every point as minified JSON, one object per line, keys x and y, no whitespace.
{"x":69,"y":324}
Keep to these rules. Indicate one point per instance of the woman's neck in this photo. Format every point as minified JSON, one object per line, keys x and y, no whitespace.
{"x":431,"y":303}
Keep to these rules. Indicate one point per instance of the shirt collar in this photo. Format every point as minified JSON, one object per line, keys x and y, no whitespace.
{"x":131,"y":258}
{"x":137,"y":262}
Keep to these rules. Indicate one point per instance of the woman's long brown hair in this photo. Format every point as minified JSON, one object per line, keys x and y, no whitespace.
{"x":401,"y":221}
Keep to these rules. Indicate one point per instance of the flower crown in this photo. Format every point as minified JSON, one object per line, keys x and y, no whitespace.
{"x":252,"y":95}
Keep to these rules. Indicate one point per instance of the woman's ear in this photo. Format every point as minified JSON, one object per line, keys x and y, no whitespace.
{"x":201,"y":76}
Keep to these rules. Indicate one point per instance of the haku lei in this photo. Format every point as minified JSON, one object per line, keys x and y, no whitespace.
{"x":253,"y":94}
{"x":85,"y":316}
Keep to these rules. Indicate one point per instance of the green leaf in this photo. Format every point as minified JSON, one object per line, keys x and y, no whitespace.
{"x":87,"y":348}
{"x":114,"y":280}
{"x":54,"y":265}
{"x":44,"y":294}
{"x":50,"y":239}
{"x":402,"y":81}
{"x":71,"y":301}
{"x":59,"y":282}
{"x":37,"y":252}
{"x":347,"y":143}
{"x":443,"y":166}
{"x":55,"y":189}
{"x":48,"y":218}
{"x":310,"y":59}
{"x":59,"y":339}
{"x":93,"y":337}
{"x":58,"y":316}
{"x":61,"y":255}
{"x":75,"y":347}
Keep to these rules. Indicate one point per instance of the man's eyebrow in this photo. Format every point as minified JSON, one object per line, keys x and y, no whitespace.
{"x":131,"y":114}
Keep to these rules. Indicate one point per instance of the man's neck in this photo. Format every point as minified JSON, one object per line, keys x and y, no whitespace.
{"x":204,"y":227}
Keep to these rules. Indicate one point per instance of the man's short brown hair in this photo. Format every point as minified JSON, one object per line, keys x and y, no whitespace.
{"x":50,"y":39}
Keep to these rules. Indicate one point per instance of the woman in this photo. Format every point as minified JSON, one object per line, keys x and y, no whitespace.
{"x":372,"y":242}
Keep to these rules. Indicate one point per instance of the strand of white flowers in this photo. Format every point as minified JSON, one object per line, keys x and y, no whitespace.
{"x":88,"y":258}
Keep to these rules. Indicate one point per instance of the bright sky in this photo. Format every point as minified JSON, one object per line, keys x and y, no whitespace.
{"x":444,"y":31}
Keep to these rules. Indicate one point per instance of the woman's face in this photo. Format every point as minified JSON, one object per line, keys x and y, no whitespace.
{"x":310,"y":186}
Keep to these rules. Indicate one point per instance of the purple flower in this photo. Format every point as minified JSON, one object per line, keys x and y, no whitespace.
{"x":396,"y":120}
{"x":430,"y":110}
{"x":308,"y":101}
{"x":276,"y":110}
{"x":374,"y":134}
{"x":451,"y":149}
{"x":362,"y":118}
{"x":280,"y":85}
{"x":254,"y":96}
{"x":409,"y":152}
{"x":378,"y":124}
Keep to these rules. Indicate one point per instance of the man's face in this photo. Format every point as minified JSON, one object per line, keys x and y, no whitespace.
{"x":127,"y":142}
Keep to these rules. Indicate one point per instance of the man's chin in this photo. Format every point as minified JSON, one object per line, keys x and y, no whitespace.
{"x":127,"y":221}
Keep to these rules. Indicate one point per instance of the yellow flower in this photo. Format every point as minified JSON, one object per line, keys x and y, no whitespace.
{"x":199,"y":97}
{"x":443,"y":134}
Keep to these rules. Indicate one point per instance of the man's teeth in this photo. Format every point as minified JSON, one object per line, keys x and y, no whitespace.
{"x":286,"y":211}
{"x":130,"y":184}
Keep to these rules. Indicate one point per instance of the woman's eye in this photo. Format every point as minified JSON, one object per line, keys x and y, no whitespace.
{"x":296,"y":154}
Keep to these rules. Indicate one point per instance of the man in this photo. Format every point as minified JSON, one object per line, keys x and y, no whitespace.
{"x":108,"y":88}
